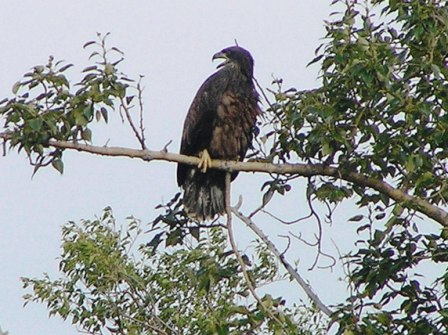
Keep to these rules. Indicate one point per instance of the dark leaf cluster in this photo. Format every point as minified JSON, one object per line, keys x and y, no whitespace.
{"x":381,"y":109}
{"x":387,"y":283}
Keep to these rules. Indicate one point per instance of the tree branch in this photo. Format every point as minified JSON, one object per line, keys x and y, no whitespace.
{"x":304,"y":170}
{"x":309,"y":292}
{"x":237,"y":253}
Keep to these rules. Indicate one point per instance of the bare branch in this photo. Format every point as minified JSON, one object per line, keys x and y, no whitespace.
{"x":304,"y":170}
{"x":288,"y":245}
{"x":318,"y":236}
{"x":275,"y":217}
{"x":140,"y":104}
{"x":140,"y":136}
{"x":237,"y":253}
{"x":308,"y":290}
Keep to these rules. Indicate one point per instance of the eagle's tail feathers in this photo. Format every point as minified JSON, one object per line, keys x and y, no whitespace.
{"x":204,"y":196}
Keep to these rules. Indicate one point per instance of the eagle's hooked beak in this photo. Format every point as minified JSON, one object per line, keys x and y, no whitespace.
{"x":220,"y":55}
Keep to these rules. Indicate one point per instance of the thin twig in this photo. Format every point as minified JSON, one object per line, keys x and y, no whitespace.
{"x":301,"y":239}
{"x":287,"y":246}
{"x":308,"y":290}
{"x":319,"y":235}
{"x":275,"y":217}
{"x":209,"y":226}
{"x":263,"y":93}
{"x":165,"y":147}
{"x":140,"y":104}
{"x":4,"y":147}
{"x":139,"y":136}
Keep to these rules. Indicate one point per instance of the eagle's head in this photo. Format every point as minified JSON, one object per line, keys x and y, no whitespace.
{"x":237,"y":57}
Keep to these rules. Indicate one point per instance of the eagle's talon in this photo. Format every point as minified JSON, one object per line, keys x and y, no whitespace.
{"x":205,"y":161}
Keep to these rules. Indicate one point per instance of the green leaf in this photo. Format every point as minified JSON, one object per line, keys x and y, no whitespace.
{"x":104,"y":114}
{"x":397,"y":210}
{"x":35,"y":124}
{"x":90,"y":68}
{"x":129,"y":99}
{"x":378,"y":237}
{"x":16,"y":87}
{"x":88,"y":44}
{"x":356,"y":218}
{"x":174,"y":237}
{"x":315,"y":60}
{"x":327,"y":149}
{"x":267,"y":196}
{"x":195,"y":232}
{"x":86,"y":135}
{"x":58,"y":165}
{"x":435,"y":70}
{"x":156,"y":240}
{"x":380,"y":216}
{"x":65,"y":67}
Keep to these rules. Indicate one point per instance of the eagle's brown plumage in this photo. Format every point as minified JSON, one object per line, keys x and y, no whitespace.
{"x":221,"y":120}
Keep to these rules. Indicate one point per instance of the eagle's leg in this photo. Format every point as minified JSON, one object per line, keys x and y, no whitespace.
{"x":205,"y":161}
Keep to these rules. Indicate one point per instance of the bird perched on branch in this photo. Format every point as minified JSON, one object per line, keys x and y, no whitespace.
{"x":219,"y":125}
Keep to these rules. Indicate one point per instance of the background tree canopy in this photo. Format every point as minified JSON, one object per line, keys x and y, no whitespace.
{"x":374,"y":134}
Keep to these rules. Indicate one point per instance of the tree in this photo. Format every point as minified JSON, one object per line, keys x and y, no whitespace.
{"x":374,"y":133}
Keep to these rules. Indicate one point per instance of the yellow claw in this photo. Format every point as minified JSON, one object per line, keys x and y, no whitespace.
{"x":205,"y":161}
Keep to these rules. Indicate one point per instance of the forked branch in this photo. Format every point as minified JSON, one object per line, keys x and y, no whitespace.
{"x":294,"y":274}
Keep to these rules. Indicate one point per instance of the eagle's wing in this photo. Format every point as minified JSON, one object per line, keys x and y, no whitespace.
{"x":198,"y":126}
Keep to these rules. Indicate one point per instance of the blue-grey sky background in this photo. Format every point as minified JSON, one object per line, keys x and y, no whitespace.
{"x":171,"y":44}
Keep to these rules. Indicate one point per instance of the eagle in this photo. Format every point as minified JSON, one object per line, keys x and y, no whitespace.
{"x":219,"y":124}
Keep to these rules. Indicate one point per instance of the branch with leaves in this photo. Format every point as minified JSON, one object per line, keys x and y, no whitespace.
{"x":376,"y":127}
{"x":304,"y":170}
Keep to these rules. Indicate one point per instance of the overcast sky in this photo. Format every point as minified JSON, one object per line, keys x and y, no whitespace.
{"x":171,"y":44}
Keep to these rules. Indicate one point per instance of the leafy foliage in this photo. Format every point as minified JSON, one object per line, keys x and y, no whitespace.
{"x":178,"y":225}
{"x":387,"y":283}
{"x":382,"y":112}
{"x":45,"y":107}
{"x":114,"y":284}
{"x":381,"y":108}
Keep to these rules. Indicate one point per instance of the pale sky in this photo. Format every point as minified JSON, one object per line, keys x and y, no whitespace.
{"x":171,"y":43}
